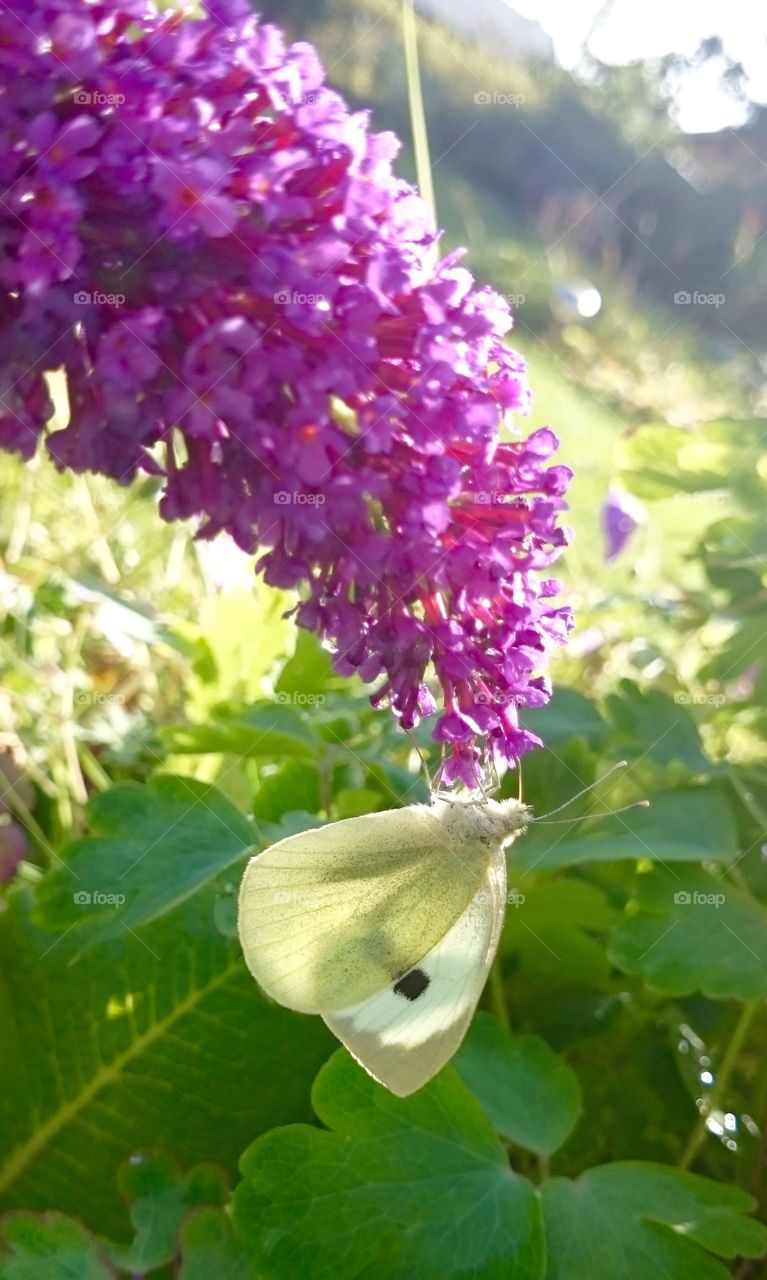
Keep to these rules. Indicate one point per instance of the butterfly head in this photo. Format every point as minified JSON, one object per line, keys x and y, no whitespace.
{"x":493,"y":821}
{"x":509,"y":817}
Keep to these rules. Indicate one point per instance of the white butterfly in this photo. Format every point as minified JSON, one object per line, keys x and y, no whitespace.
{"x":386,"y":925}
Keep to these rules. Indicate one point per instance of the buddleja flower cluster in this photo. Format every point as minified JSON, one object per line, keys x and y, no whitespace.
{"x":245,"y":298}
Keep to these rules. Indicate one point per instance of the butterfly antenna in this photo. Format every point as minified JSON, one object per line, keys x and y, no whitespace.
{"x":606,"y":813}
{"x":622,"y":764}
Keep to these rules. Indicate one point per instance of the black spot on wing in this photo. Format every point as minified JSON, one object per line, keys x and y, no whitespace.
{"x":412,"y":985}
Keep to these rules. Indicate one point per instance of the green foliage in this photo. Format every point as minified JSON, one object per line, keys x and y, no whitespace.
{"x":160,"y":844}
{"x":49,"y":1247}
{"x":640,"y":1221}
{"x":139,"y":1053}
{"x":161,"y":718}
{"x":531,"y":1096}
{"x":395,"y":1187}
{"x":421,"y":1186}
{"x":694,"y":932}
{"x":152,"y":1040}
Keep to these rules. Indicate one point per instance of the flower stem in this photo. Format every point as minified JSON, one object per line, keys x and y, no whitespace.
{"x":497,"y":995}
{"x":417,"y":113}
{"x":698,"y":1135}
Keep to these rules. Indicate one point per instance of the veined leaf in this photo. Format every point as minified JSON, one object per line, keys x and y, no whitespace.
{"x":694,"y":933}
{"x":532,"y":1097}
{"x":398,"y":1188}
{"x":153,"y":1041}
{"x":49,"y":1247}
{"x":690,"y":825}
{"x":639,"y":1221}
{"x":157,"y":846}
{"x":265,"y":731}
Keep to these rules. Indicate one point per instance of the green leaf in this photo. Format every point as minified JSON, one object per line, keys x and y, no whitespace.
{"x":396,"y":1188}
{"x":532,"y":1097}
{"x":649,"y":459}
{"x":661,"y":460}
{"x":309,"y":670}
{"x":641,"y":1221}
{"x":294,"y":785}
{"x":742,"y":650}
{"x":555,"y":926}
{"x":265,"y":731}
{"x":568,"y":715}
{"x":689,"y":825}
{"x":734,"y":553}
{"x":160,"y":1199}
{"x":237,"y":667}
{"x":694,"y":933}
{"x":396,"y":783}
{"x":209,"y":1249}
{"x":350,"y":802}
{"x":158,"y":845}
{"x":49,"y":1247}
{"x":157,"y":1041}
{"x":651,"y":724}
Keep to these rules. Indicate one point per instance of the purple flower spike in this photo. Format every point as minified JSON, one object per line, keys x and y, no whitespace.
{"x":621,"y":515}
{"x":243,"y":296}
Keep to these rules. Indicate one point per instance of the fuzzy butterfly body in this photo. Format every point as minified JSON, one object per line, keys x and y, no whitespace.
{"x":386,"y":925}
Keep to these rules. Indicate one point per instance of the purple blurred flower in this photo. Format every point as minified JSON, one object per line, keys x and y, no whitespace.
{"x":621,"y":515}
{"x":243,"y":297}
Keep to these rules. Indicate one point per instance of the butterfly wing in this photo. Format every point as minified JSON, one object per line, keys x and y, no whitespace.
{"x":405,"y":1032}
{"x":326,"y":917}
